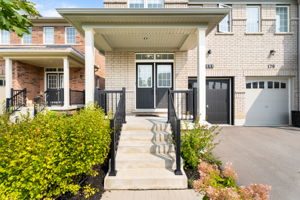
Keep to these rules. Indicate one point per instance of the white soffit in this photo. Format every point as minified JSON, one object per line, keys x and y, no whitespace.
{"x":164,"y":29}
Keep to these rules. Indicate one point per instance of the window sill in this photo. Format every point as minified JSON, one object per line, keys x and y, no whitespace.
{"x":286,"y":33}
{"x":228,"y":33}
{"x":255,"y":33}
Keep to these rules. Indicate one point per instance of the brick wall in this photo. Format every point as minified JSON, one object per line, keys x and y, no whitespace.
{"x":236,"y":55}
{"x":28,"y":76}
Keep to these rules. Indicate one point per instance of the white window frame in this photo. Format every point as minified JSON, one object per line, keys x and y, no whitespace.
{"x":1,"y":43}
{"x":155,"y":60}
{"x":146,"y":3}
{"x":44,"y":34}
{"x":66,"y":35}
{"x":27,"y":34}
{"x":259,"y":18}
{"x":288,"y":18}
{"x":171,"y":78}
{"x":230,"y":18}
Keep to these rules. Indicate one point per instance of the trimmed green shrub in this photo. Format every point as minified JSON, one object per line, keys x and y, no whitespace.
{"x":40,"y":158}
{"x":197,"y":143}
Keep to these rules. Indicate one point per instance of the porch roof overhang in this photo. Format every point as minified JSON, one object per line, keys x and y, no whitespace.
{"x":161,"y":29}
{"x":43,"y":56}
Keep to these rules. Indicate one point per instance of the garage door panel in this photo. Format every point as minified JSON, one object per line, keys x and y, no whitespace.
{"x":267,"y":106}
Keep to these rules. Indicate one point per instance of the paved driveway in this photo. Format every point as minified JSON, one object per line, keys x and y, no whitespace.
{"x":267,"y":155}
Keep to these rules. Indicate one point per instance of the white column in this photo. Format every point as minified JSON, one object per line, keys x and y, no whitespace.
{"x":201,"y":74}
{"x":89,"y":66}
{"x":8,"y":77}
{"x":66,"y":83}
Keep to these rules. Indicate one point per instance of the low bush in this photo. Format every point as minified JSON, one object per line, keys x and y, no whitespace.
{"x":40,"y":158}
{"x":217,"y":184}
{"x":197,"y":143}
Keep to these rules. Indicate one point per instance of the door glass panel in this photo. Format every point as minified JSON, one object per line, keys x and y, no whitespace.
{"x":164,"y":76}
{"x":52,"y":81}
{"x":145,"y":76}
{"x":61,"y":81}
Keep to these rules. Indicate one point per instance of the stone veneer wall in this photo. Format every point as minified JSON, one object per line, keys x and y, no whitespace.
{"x":236,"y":55}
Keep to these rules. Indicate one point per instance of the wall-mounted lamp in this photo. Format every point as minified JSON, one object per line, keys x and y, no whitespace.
{"x":96,"y":68}
{"x":272,"y":52}
{"x":209,"y":52}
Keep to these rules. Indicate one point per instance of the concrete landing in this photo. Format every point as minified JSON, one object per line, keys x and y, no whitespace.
{"x":145,"y":157}
{"x":151,"y":195}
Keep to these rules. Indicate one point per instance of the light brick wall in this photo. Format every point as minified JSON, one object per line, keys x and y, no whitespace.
{"x":236,"y":55}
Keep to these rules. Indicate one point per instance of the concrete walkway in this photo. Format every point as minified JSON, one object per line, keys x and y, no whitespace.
{"x":151,"y":195}
{"x":266,"y":155}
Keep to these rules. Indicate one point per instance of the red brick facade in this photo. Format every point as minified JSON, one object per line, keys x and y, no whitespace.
{"x":32,"y":77}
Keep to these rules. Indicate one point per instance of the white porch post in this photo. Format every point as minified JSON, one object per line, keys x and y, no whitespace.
{"x":66,"y":83}
{"x":89,"y":66}
{"x":201,"y":73}
{"x":8,"y":77}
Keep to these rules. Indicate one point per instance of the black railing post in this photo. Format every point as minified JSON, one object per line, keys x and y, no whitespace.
{"x":7,"y":104}
{"x":169,"y":104}
{"x":195,"y":104}
{"x":25,"y":96}
{"x":178,"y":152}
{"x":124,"y":104}
{"x":113,"y":171}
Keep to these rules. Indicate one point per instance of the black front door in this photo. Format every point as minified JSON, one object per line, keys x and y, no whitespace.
{"x":217,"y":99}
{"x":55,"y":91}
{"x":145,"y":86}
{"x":153,"y":82}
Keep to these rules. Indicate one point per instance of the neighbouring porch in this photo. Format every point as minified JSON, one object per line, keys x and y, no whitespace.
{"x":50,"y":76}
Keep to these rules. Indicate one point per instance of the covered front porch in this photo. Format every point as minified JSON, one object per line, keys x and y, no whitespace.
{"x":123,"y":34}
{"x":51,"y":76}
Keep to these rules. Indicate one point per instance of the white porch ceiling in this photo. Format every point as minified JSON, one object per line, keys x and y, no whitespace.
{"x":165,"y":29}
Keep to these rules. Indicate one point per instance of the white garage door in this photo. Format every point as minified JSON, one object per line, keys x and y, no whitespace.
{"x":2,"y":93}
{"x":267,"y":102}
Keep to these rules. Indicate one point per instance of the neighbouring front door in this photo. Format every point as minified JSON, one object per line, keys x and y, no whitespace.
{"x":55,"y":87}
{"x":153,"y":82}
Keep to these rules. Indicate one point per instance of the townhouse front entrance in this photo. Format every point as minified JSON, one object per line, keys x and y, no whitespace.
{"x":153,"y":82}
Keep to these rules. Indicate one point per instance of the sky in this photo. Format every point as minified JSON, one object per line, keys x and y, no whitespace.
{"x":47,"y":7}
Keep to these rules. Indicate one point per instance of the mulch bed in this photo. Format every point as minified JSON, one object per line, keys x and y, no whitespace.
{"x":192,"y":175}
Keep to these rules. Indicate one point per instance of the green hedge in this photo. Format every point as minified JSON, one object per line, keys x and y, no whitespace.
{"x":40,"y":158}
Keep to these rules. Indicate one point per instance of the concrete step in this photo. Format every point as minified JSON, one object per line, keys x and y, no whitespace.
{"x":145,"y":147}
{"x":148,"y":178}
{"x":145,"y":160}
{"x":145,"y":136}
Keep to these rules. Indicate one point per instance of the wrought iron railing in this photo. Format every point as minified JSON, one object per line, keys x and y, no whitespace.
{"x":16,"y":101}
{"x":185,"y":103}
{"x":175,"y":127}
{"x":54,"y":97}
{"x":113,"y":103}
{"x":77,"y":97}
{"x":109,"y":100}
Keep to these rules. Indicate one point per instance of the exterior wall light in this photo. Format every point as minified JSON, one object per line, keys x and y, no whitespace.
{"x":209,"y":52}
{"x":272,"y":52}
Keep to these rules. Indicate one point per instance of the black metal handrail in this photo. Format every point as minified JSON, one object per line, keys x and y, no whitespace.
{"x":16,"y":101}
{"x":116,"y":124}
{"x":175,"y":127}
{"x":54,"y":97}
{"x":185,"y":103}
{"x":77,"y":97}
